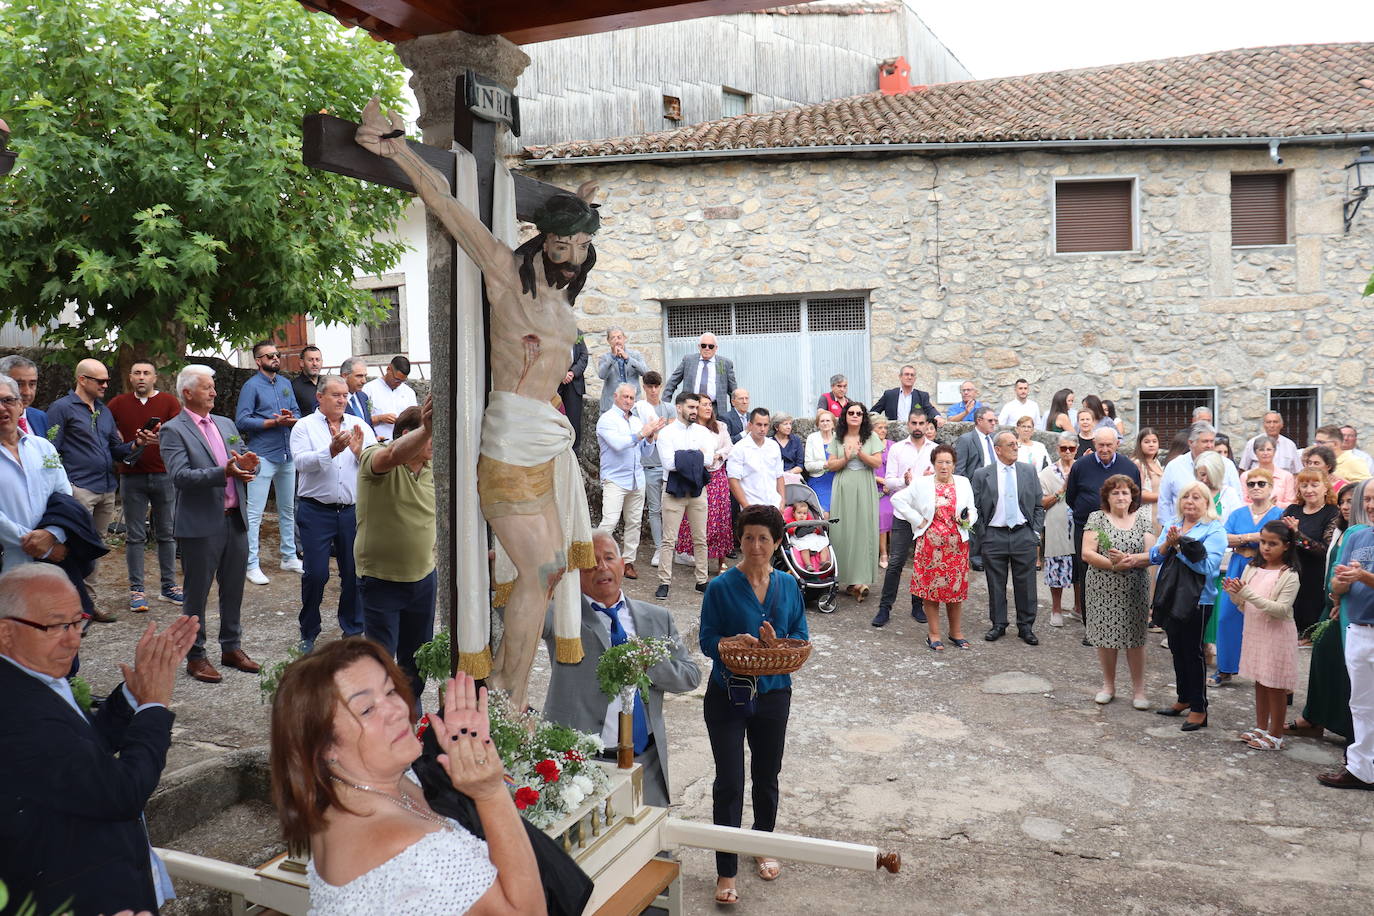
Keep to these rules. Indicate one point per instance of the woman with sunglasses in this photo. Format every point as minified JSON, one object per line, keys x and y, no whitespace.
{"x":1242,"y":536}
{"x":1058,"y":526}
{"x":855,"y":454}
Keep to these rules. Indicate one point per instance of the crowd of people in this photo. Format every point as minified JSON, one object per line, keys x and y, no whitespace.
{"x":1240,"y":561}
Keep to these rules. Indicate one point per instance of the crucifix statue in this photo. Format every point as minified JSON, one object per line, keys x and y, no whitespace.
{"x":524,"y":437}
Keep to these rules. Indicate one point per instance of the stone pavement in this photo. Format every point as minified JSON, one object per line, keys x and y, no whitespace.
{"x":994,"y":774}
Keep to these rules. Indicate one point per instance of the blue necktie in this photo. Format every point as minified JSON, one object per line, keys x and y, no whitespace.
{"x":619,"y":637}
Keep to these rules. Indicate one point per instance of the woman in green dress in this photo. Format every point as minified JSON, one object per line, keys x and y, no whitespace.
{"x":1328,"y":681}
{"x":855,"y":454}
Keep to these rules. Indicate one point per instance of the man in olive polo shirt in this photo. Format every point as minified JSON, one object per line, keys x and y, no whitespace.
{"x":394,"y":547}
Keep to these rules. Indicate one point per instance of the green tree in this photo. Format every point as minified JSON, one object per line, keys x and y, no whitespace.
{"x":159,"y":185}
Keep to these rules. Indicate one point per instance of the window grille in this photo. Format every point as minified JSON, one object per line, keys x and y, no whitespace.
{"x":781,"y":316}
{"x":841,"y":313}
{"x":385,"y":336}
{"x":1298,"y":407}
{"x":695,"y":320}
{"x":1170,"y":410}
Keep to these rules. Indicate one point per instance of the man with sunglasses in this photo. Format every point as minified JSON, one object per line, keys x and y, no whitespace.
{"x":86,"y":436}
{"x":265,"y":415}
{"x":76,"y":784}
{"x":705,"y":373}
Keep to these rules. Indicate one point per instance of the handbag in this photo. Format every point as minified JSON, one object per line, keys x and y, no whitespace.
{"x":1178,"y":589}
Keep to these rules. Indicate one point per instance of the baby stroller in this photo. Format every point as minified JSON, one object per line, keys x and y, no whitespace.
{"x":823,"y":582}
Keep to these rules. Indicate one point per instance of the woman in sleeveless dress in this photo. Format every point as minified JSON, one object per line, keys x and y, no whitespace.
{"x":343,"y":742}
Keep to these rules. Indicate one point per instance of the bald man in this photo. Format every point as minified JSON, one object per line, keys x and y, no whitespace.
{"x":86,"y":436}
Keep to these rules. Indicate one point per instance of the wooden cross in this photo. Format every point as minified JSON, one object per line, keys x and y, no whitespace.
{"x":328,"y":145}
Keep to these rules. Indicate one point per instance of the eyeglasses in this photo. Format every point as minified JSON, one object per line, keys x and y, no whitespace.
{"x":98,"y":381}
{"x":707,"y":346}
{"x":8,"y":402}
{"x":61,"y":628}
{"x":1256,"y":484}
{"x":269,"y":356}
{"x":1068,"y":448}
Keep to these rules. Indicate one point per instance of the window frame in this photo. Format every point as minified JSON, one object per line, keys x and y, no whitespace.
{"x":1148,"y":389}
{"x":1079,"y":179}
{"x":1287,"y":211}
{"x":746,"y":98}
{"x":358,"y":333}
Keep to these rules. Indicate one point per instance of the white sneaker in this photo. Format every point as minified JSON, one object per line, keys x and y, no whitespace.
{"x":654,"y":561}
{"x":1056,"y":620}
{"x":293,"y":565}
{"x":684,"y":559}
{"x":255,"y":576}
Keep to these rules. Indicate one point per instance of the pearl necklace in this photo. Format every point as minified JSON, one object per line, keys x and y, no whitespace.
{"x":402,"y":802}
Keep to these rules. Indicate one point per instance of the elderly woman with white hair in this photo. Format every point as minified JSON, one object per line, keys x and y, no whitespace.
{"x":30,"y":472}
{"x":1190,"y":554}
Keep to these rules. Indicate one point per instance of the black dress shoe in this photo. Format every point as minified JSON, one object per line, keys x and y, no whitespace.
{"x":701,"y":586}
{"x":1194,"y":726}
{"x":880,"y":619}
{"x":975,"y":565}
{"x":919,"y":614}
{"x":661,"y":592}
{"x":994,"y":634}
{"x":1029,"y":638}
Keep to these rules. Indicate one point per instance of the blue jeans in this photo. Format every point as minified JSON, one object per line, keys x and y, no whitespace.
{"x":400,"y":616}
{"x":283,"y":474}
{"x":322,"y":528}
{"x":138,"y":492}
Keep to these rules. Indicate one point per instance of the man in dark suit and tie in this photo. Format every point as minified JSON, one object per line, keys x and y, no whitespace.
{"x":574,"y":389}
{"x":975,"y":447}
{"x":609,"y":619}
{"x":211,"y":523}
{"x":704,"y":372}
{"x":736,"y":418}
{"x":1010,"y":519}
{"x":354,"y":373}
{"x":72,"y":786}
{"x":899,"y":402}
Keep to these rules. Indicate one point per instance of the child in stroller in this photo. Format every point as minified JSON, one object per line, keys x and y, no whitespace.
{"x":805,"y":550}
{"x":810,"y":548}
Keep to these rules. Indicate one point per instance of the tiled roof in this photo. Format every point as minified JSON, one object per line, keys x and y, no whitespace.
{"x":1296,"y":90}
{"x":835,"y":8}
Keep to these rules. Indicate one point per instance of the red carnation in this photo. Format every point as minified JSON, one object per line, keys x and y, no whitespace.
{"x":574,"y":756}
{"x":548,"y":770}
{"x":525,"y":796}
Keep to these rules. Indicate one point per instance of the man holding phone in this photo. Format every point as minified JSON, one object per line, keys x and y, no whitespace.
{"x":265,"y":415}
{"x":143,"y":482}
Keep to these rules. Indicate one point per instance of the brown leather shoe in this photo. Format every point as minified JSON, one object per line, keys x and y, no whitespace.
{"x":1343,"y":779}
{"x":100,"y":616}
{"x":239,"y":660}
{"x":630,"y":571}
{"x":202,"y":670}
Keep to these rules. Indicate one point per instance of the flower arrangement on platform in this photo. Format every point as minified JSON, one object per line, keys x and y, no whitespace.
{"x":550,"y":768}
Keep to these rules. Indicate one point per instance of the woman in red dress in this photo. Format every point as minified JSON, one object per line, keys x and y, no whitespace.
{"x":720,"y":538}
{"x":940,"y":510}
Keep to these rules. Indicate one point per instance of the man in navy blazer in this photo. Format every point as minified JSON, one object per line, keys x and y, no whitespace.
{"x":73,"y":786}
{"x":210,"y":476}
{"x":890,"y":402}
{"x":1008,"y":533}
{"x":704,"y":372}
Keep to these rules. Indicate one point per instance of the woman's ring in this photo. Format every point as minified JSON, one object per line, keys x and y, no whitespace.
{"x":481,"y":761}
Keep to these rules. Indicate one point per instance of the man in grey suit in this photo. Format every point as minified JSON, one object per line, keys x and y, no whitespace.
{"x":704,"y":373}
{"x":211,"y":522}
{"x":621,"y":366}
{"x":1010,"y":519}
{"x":974,"y":449}
{"x":609,"y":618}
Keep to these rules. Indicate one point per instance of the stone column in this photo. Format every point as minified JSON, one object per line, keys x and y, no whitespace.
{"x":436,"y":61}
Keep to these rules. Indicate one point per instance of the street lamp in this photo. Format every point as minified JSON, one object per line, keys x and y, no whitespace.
{"x":6,"y":157}
{"x":1359,"y":180}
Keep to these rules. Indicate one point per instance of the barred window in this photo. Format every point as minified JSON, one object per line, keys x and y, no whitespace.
{"x":699,"y":319}
{"x":1169,"y":410}
{"x":842,"y":313}
{"x":385,"y":336}
{"x":1299,"y":408}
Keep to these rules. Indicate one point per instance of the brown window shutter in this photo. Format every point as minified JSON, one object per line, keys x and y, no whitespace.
{"x":1092,"y":216}
{"x":1259,"y":209}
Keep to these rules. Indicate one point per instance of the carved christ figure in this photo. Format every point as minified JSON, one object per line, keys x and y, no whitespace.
{"x":532,"y":332}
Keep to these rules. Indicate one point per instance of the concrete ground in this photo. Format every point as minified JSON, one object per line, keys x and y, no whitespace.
{"x":994,"y":774}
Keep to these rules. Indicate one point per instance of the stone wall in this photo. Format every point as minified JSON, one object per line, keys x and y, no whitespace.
{"x":957,"y":254}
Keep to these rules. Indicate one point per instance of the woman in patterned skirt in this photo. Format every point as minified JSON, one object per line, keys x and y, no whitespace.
{"x":720,"y":539}
{"x":1058,"y":527}
{"x":941,"y":513}
{"x":1116,"y":546}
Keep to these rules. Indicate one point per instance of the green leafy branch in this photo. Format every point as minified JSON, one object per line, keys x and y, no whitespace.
{"x":627,"y":665}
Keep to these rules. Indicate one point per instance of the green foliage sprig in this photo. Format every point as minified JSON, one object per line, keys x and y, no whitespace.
{"x":270,"y":676}
{"x":81,"y":692}
{"x":432,"y":660}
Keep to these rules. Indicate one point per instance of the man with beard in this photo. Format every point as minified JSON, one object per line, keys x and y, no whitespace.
{"x":266,"y":412}
{"x":906,"y":461}
{"x":528,"y":484}
{"x":144,"y":482}
{"x":308,"y":381}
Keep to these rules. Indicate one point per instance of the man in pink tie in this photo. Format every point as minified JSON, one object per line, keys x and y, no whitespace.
{"x":200,"y":450}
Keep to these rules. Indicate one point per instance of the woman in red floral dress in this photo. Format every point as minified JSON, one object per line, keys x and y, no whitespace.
{"x":720,"y":538}
{"x":940,"y":509}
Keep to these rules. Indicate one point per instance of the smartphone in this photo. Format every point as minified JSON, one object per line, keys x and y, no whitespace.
{"x":152,"y":423}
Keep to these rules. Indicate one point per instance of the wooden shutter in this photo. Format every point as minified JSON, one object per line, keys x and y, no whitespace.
{"x":1259,"y":209}
{"x":1093,"y":216}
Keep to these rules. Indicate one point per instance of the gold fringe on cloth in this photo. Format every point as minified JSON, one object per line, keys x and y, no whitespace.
{"x":568,"y":650}
{"x":581,"y":555}
{"x":476,"y":664}
{"x":501,"y":593}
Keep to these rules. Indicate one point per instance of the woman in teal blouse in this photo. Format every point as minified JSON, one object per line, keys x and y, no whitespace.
{"x":753,"y":599}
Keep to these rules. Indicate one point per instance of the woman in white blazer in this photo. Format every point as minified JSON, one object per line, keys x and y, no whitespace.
{"x":939,"y":507}
{"x":817,"y":453}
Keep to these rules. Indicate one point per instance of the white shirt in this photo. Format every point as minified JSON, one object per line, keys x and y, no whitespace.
{"x":903,"y":457}
{"x":1008,"y":512}
{"x":332,"y":480}
{"x":1014,"y":410}
{"x":678,"y":435}
{"x":757,"y":468}
{"x":1033,"y":454}
{"x":904,"y":399}
{"x":648,"y":412}
{"x":622,"y":449}
{"x":704,"y":385}
{"x":385,"y":399}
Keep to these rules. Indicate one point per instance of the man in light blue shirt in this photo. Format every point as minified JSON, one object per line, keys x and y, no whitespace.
{"x":30,"y":472}
{"x":625,"y":440}
{"x":969,"y":405}
{"x":1179,"y":472}
{"x":266,"y":412}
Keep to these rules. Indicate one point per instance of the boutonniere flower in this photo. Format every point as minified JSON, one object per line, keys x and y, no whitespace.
{"x":52,"y":461}
{"x":51,"y":434}
{"x":235,"y":439}
{"x":95,"y":416}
